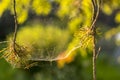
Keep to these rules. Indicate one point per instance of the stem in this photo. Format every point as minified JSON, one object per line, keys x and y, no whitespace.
{"x":95,"y":12}
{"x":15,"y":24}
{"x":96,"y":6}
{"x":94,"y":56}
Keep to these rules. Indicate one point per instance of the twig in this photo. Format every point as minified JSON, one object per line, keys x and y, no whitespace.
{"x":15,"y":24}
{"x":93,"y":29}
{"x":94,"y":57}
{"x":98,"y":52}
{"x":95,"y":15}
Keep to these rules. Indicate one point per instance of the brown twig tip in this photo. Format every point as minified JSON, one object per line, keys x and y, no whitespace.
{"x":98,"y":52}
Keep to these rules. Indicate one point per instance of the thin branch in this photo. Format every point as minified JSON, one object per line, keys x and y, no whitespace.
{"x":15,"y":24}
{"x":94,"y":57}
{"x":98,"y":52}
{"x":93,"y":29}
{"x":96,"y":10}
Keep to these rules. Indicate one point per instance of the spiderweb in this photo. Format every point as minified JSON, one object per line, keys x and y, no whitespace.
{"x":50,"y":37}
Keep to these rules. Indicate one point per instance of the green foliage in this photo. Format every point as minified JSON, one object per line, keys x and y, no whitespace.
{"x":41,"y":7}
{"x":109,"y":34}
{"x":113,"y":34}
{"x":43,"y":39}
{"x":23,"y":6}
{"x":117,"y":17}
{"x":107,"y":70}
{"x":4,"y":4}
{"x":65,"y":7}
{"x":5,"y":70}
{"x":109,"y":6}
{"x":69,"y":8}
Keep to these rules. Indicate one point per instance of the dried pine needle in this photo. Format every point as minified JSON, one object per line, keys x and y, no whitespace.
{"x":17,"y":58}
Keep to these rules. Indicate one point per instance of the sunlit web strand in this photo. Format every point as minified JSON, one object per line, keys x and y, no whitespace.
{"x":61,"y":58}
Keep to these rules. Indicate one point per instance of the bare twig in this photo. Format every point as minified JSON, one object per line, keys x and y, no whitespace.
{"x":93,"y":29}
{"x":94,"y":57}
{"x":95,"y":13}
{"x":98,"y":52}
{"x":15,"y":24}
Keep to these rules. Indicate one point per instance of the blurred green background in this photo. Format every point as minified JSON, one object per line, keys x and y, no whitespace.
{"x":49,"y":27}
